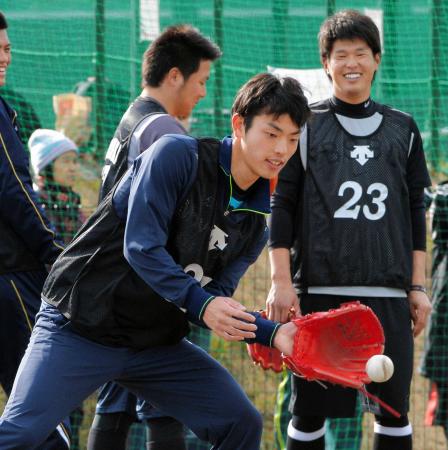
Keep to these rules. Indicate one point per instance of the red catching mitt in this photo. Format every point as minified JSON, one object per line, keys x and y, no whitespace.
{"x":265,"y":357}
{"x":335,"y":345}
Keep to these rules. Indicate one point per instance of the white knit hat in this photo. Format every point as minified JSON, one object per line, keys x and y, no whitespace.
{"x":46,"y":145}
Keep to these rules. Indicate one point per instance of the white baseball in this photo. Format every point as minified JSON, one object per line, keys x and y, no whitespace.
{"x":379,"y":368}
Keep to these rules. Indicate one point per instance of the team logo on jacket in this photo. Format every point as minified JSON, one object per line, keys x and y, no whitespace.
{"x":361,"y":153}
{"x":218,"y":239}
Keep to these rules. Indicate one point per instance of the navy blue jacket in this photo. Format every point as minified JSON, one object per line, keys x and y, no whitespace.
{"x":151,"y":190}
{"x":122,"y":281}
{"x":27,"y":241}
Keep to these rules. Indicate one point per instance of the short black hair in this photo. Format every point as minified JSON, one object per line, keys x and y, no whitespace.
{"x":181,"y":46}
{"x":348,"y":24}
{"x":266,"y":93}
{"x":3,"y":22}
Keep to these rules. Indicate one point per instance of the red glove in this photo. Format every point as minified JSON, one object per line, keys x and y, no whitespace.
{"x":332,"y":346}
{"x":335,"y":345}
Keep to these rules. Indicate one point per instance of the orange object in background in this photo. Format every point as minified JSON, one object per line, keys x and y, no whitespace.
{"x":272,"y":184}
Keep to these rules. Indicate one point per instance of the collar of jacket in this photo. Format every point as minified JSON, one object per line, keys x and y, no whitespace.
{"x":258,"y":200}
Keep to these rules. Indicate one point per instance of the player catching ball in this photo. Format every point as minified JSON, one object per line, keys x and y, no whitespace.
{"x":166,"y":246}
{"x":350,"y":205}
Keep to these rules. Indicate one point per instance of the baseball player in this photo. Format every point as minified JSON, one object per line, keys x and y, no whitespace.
{"x":350,"y":205}
{"x":176,"y":67}
{"x":27,"y":245}
{"x":166,"y":246}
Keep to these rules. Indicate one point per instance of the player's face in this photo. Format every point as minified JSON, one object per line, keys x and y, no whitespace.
{"x":5,"y":55}
{"x":192,"y":90}
{"x":263,"y":149}
{"x":352,"y":66}
{"x":65,"y":168}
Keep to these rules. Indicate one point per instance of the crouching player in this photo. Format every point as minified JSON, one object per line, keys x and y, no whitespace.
{"x":168,"y":245}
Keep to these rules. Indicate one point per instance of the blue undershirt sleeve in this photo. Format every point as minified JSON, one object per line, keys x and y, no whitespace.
{"x":160,"y":127}
{"x":266,"y":330}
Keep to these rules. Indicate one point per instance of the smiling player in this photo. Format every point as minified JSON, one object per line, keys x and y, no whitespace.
{"x":350,"y":203}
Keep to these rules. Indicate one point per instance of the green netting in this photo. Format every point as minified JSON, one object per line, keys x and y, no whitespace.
{"x":59,"y":44}
{"x":93,"y":48}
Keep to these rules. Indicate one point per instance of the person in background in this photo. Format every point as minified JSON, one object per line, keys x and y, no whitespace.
{"x":175,"y":70}
{"x":54,"y":159}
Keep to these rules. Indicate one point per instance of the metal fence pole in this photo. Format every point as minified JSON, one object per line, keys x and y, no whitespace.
{"x":99,"y":76}
{"x":436,"y":65}
{"x":389,"y":74}
{"x":218,"y":100}
{"x":280,"y":43}
{"x":331,"y":7}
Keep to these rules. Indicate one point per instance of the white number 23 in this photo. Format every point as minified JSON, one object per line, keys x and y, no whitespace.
{"x":350,"y":209}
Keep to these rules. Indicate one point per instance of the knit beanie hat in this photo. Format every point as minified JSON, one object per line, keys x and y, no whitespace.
{"x":46,"y":145}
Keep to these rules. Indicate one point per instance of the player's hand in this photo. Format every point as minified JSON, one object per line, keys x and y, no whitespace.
{"x":420,"y":310}
{"x":227,"y":318}
{"x":284,"y":338}
{"x":282,"y":297}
